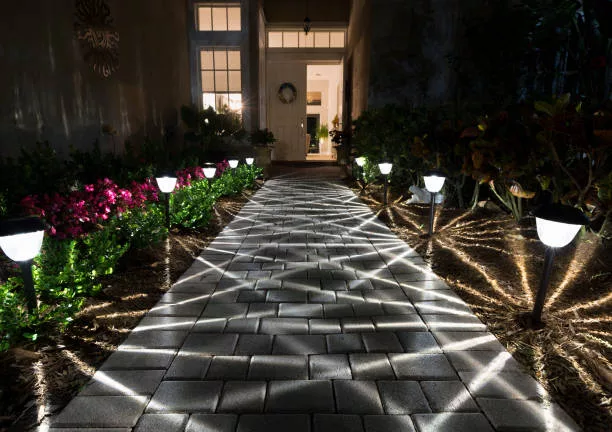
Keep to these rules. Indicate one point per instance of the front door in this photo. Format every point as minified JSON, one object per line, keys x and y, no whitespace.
{"x":287,"y":117}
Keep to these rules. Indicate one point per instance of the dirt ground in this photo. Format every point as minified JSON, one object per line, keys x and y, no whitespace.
{"x":495,"y":265}
{"x":38,"y":380}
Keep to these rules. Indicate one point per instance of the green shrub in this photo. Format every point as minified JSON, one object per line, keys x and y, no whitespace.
{"x":143,"y":227}
{"x":191,"y":207}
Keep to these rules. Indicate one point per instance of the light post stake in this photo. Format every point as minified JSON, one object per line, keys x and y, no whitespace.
{"x":541,"y":296}
{"x":385,"y":169}
{"x":28,"y":284}
{"x":557,"y":225}
{"x":385,"y":190}
{"x":434,"y":180}
{"x":21,"y":240}
{"x":432,"y":207}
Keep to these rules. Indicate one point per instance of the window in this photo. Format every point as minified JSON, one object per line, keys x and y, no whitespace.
{"x":219,"y":17}
{"x":221,"y":82}
{"x":298,"y":39}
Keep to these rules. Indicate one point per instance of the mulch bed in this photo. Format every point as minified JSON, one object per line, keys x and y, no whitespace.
{"x":38,"y":379}
{"x":495,"y":265}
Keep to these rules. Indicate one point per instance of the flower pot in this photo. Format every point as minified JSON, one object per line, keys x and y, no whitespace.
{"x":263,"y":159}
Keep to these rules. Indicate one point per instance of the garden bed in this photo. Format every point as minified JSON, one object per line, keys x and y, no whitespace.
{"x":38,"y":379}
{"x":495,"y":265}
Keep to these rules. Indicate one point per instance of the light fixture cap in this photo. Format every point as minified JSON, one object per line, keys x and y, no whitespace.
{"x":434,"y":180}
{"x":233,"y":163}
{"x":558,"y":224}
{"x":250,"y":160}
{"x":166,"y":184}
{"x":360,"y":161}
{"x":385,"y":167}
{"x":209,"y":170}
{"x":21,"y":239}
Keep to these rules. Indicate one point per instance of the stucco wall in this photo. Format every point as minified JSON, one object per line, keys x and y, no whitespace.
{"x":410,"y":44}
{"x":357,"y":71}
{"x":47,"y":92}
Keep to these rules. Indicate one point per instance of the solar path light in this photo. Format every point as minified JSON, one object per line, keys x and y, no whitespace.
{"x":385,"y":169}
{"x":434,"y":180}
{"x":21,"y":240}
{"x":557,"y":225}
{"x":166,"y":185}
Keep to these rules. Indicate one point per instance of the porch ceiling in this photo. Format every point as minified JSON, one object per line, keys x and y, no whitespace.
{"x":294,"y":11}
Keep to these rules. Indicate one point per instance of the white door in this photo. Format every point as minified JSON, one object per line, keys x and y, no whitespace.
{"x":287,"y":121}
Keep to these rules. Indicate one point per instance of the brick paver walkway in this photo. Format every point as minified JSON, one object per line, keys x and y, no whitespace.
{"x":308,"y":314}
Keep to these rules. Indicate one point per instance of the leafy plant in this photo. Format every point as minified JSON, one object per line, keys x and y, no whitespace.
{"x":262,"y":138}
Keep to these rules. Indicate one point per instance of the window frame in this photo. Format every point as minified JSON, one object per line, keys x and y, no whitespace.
{"x":222,"y":4}
{"x":227,"y":93}
{"x":302,"y":40}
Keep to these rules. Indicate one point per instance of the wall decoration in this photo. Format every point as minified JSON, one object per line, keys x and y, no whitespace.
{"x":287,"y":93}
{"x":95,"y":30}
{"x":313,"y":98}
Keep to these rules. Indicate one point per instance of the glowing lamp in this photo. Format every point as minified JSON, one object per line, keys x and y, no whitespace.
{"x":385,"y":168}
{"x":209,"y":170}
{"x":233,"y":163}
{"x":557,"y":226}
{"x":434,"y":180}
{"x":249,"y":161}
{"x":360,"y":161}
{"x":166,"y":184}
{"x":21,"y":240}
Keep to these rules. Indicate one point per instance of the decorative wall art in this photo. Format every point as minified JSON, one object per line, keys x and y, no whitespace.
{"x":313,"y":98}
{"x":95,"y":30}
{"x":287,"y":93}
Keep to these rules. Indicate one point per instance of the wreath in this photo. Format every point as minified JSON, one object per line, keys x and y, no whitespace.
{"x":287,"y":93}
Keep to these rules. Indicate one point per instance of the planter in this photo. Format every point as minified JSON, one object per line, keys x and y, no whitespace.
{"x":263,"y":159}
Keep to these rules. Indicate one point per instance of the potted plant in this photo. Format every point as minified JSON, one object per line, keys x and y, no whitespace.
{"x":262,"y":140}
{"x":322,"y":133}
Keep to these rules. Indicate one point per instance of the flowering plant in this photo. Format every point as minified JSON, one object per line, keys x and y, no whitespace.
{"x":81,"y":211}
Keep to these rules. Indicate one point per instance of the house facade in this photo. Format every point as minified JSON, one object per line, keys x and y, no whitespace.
{"x":73,"y":71}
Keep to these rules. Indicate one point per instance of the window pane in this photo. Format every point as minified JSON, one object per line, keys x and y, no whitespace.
{"x":206,"y":59}
{"x":208,"y":81}
{"x":234,"y":81}
{"x":233,"y":15}
{"x":336,"y":39}
{"x":321,"y":39}
{"x":275,"y":39}
{"x":219,"y":18}
{"x":306,"y":40}
{"x":204,"y":19}
{"x":290,"y":40}
{"x":220,"y":59}
{"x":222,"y":101}
{"x":233,"y":59}
{"x":208,"y":100}
{"x":220,"y":80}
{"x":235,"y":102}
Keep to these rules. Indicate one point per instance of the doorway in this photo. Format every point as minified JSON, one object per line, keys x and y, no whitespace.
{"x":324,"y":96}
